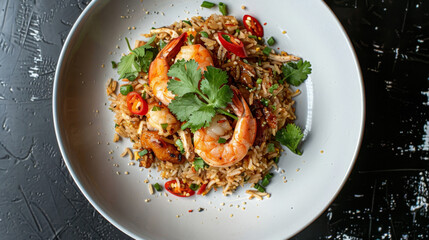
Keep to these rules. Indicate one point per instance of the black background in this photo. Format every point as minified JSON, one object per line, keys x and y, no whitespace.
{"x":385,"y":197}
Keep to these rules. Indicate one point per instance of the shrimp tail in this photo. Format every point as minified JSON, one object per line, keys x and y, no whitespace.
{"x":239,"y":104}
{"x":172,"y":48}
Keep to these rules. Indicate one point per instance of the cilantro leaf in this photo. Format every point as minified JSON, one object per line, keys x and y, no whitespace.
{"x":184,"y":106}
{"x":138,"y":60}
{"x":198,"y":107}
{"x":290,"y":136}
{"x":189,"y":75}
{"x":199,"y":163}
{"x":211,"y":86}
{"x":296,"y":73}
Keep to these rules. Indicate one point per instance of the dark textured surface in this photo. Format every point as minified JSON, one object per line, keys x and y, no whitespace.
{"x":385,"y":197}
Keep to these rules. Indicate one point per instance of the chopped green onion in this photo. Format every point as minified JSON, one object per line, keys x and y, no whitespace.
{"x":194,"y":187}
{"x":259,"y":81}
{"x":226,"y":37}
{"x":156,"y":108}
{"x":221,"y":140}
{"x":125,"y":89}
{"x":143,"y":152}
{"x":190,"y":39}
{"x":281,"y":81}
{"x":114,"y":64}
{"x":204,"y":34}
{"x":157,"y":187}
{"x":266,"y":51}
{"x":206,"y":4}
{"x":162,"y":44}
{"x":271,"y":41}
{"x":253,"y":36}
{"x":164,"y":125}
{"x":264,"y":102}
{"x":116,"y":125}
{"x":245,"y":60}
{"x":270,"y":147}
{"x":272,"y":88}
{"x":265,"y":182}
{"x":144,"y":95}
{"x":187,"y":22}
{"x":273,"y":107}
{"x":222,"y":8}
{"x":276,"y":159}
{"x":237,"y":31}
{"x":259,"y":187}
{"x":259,"y":62}
{"x":199,"y":163}
{"x":128,"y":44}
{"x":180,"y":145}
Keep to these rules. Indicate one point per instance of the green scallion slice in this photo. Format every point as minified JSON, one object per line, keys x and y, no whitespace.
{"x":204,"y":34}
{"x":156,"y":108}
{"x":264,"y":102}
{"x":259,"y":81}
{"x":125,"y":89}
{"x":223,"y":9}
{"x":272,"y":88}
{"x":267,"y":51}
{"x":253,"y":36}
{"x":180,"y":145}
{"x":221,"y":140}
{"x":143,"y":152}
{"x":194,"y":187}
{"x":187,"y":22}
{"x":164,"y":125}
{"x":259,"y":187}
{"x":226,"y":37}
{"x":162,"y":44}
{"x":271,"y":147}
{"x":157,"y":187}
{"x":114,"y":64}
{"x":271,"y":41}
{"x":206,"y":4}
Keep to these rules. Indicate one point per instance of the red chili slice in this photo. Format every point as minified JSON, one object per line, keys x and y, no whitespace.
{"x":202,"y":189}
{"x":232,"y":44}
{"x":136,"y":104}
{"x":182,"y":191}
{"x":252,"y":25}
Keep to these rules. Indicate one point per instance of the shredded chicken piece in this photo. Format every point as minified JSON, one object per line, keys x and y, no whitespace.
{"x":283,"y":59}
{"x":170,"y":32}
{"x":185,"y":137}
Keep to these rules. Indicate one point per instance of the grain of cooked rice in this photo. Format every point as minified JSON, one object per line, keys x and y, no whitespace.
{"x":258,"y":162}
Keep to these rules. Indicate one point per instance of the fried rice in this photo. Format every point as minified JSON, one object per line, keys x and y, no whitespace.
{"x":272,"y":109}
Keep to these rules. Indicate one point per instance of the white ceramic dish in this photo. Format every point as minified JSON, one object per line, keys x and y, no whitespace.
{"x":331,"y":109}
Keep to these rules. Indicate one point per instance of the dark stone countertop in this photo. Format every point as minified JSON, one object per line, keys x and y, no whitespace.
{"x":386,"y":196}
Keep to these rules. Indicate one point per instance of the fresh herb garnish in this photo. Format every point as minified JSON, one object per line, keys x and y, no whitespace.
{"x":194,"y":187}
{"x":266,"y":180}
{"x":206,"y":4}
{"x":199,"y":163}
{"x":180,"y":145}
{"x":157,"y":187}
{"x":267,"y":51}
{"x":264,"y":102}
{"x":221,"y":140}
{"x":253,"y":36}
{"x":137,"y":61}
{"x":259,"y":187}
{"x":223,"y":9}
{"x":296,"y":73}
{"x":187,"y":105}
{"x":290,"y":136}
{"x":162,"y":44}
{"x":272,"y":88}
{"x":237,"y":31}
{"x":271,"y":41}
{"x":190,"y":39}
{"x":143,"y":152}
{"x":156,"y":108}
{"x":204,"y":34}
{"x":164,"y":125}
{"x":270,"y":147}
{"x":114,"y":65}
{"x":125,"y":89}
{"x":259,"y":81}
{"x":187,"y":22}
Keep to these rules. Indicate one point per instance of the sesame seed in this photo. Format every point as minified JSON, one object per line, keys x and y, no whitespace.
{"x":118,"y":173}
{"x":243,"y":7}
{"x":177,"y":216}
{"x":222,"y":204}
{"x":147,"y":200}
{"x":232,"y":215}
{"x":284,"y":32}
{"x":243,"y":208}
{"x":126,"y":173}
{"x":146,"y":180}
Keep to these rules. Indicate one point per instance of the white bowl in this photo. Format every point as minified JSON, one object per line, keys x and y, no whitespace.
{"x":331,"y":109}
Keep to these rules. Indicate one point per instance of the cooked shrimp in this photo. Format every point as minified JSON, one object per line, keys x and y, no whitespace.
{"x":198,"y":53}
{"x":226,"y":154}
{"x":163,"y":150}
{"x":159,"y":67}
{"x":160,"y":118}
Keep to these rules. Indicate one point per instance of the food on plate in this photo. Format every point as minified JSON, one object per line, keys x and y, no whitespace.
{"x":208,"y":104}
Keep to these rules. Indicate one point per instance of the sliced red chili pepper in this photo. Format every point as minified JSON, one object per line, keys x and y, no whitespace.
{"x":232,"y":44}
{"x":252,"y":25}
{"x":181,"y":191}
{"x":136,"y":104}
{"x":202,"y":189}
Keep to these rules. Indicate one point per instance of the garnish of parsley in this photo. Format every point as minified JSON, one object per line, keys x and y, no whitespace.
{"x":290,"y":136}
{"x":296,"y":73}
{"x":137,"y":61}
{"x":193,"y":105}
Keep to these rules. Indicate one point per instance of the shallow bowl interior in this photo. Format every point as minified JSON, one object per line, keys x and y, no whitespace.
{"x":330,"y":109}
